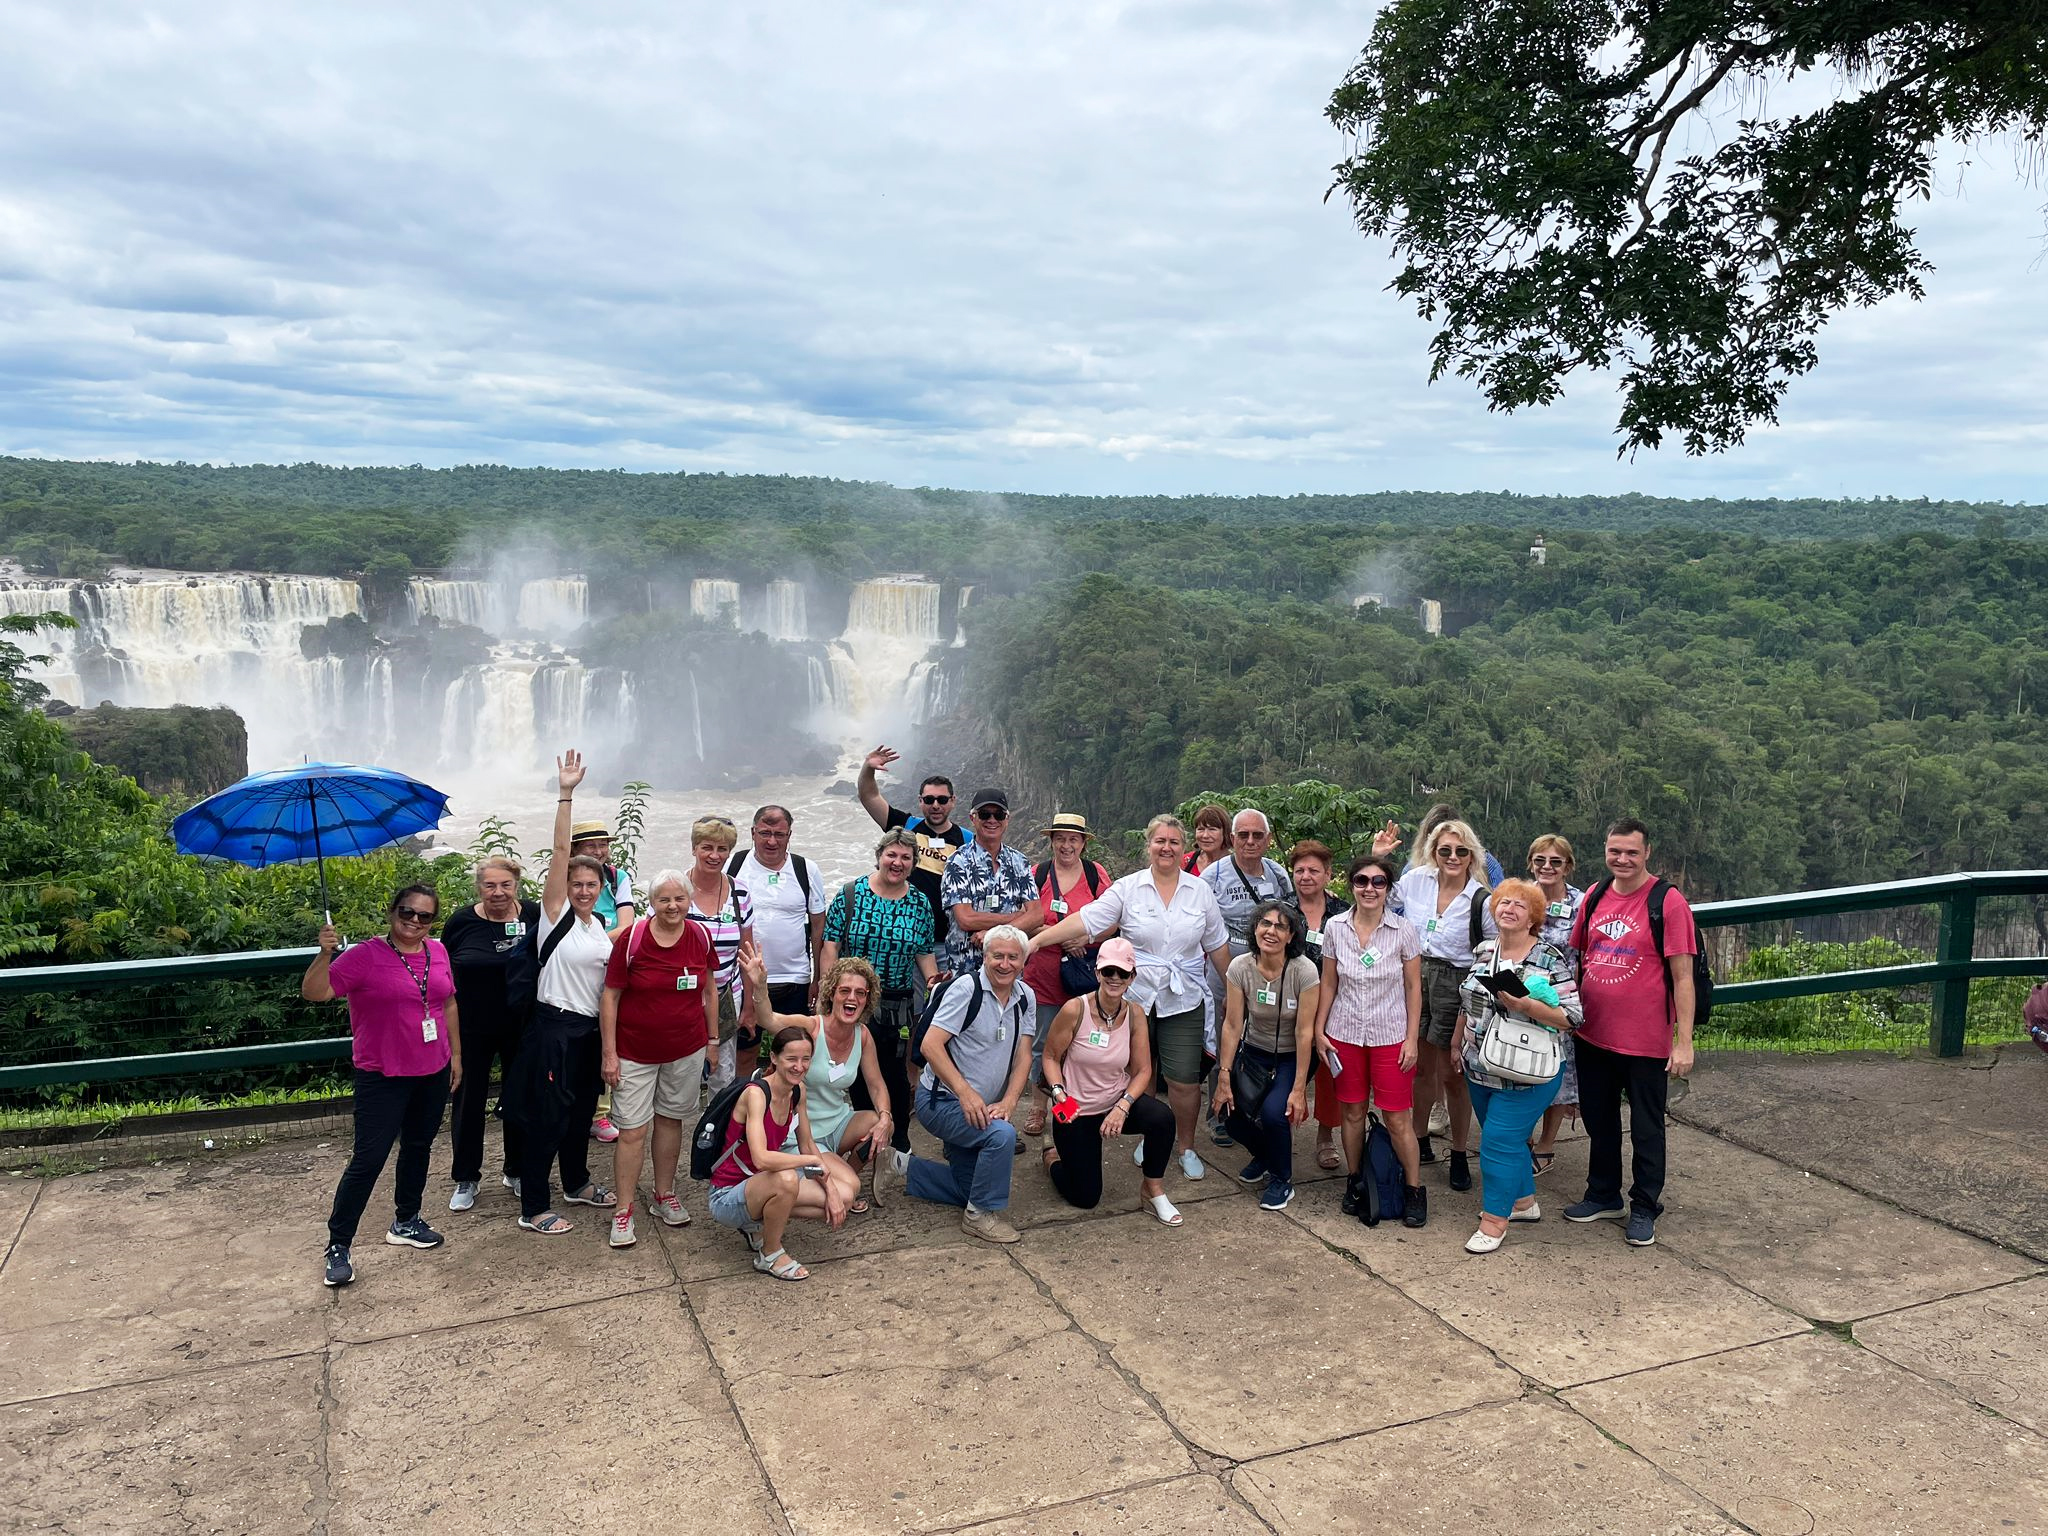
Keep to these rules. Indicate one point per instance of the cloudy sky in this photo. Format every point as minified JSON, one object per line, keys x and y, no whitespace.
{"x":1072,"y":247}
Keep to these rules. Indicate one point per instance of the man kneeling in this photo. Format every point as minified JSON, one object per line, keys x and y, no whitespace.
{"x":977,"y":1053}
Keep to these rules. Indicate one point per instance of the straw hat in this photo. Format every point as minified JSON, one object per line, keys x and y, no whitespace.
{"x":582,"y":830}
{"x":1067,"y":821}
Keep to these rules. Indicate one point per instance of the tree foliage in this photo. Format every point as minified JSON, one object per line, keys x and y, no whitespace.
{"x":1598,"y":184}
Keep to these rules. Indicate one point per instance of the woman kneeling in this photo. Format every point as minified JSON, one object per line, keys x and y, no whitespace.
{"x":756,"y":1186}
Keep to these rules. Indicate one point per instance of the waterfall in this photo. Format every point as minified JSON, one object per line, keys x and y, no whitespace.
{"x":925,"y":692}
{"x":715,"y":599}
{"x":1431,"y":612}
{"x":786,"y":615}
{"x":820,"y":684}
{"x":479,"y":604}
{"x":554,"y":605}
{"x":891,"y":624}
{"x":960,"y":616}
{"x":696,"y":717}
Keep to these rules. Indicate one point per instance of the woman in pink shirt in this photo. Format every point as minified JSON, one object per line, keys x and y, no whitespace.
{"x":401,"y":1013}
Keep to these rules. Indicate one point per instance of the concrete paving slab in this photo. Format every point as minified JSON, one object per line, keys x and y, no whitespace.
{"x":1809,"y":1244}
{"x":1252,"y":1336}
{"x":231,"y":1450}
{"x":1991,"y":1347}
{"x":966,"y":1393}
{"x":135,"y":1273}
{"x":1956,"y":1140}
{"x":1814,"y":1434}
{"x":552,"y":1422}
{"x":1200,"y":1506}
{"x":17,"y":1194}
{"x":1449,"y":1477}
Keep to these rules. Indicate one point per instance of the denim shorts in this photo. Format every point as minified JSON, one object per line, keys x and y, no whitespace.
{"x":729,"y":1207}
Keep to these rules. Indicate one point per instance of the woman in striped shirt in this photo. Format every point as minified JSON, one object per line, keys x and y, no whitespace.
{"x":722,"y":905}
{"x":1370,"y":1015}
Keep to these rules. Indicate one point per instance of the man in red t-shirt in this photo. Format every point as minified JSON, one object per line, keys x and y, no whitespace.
{"x":1638,"y":1029}
{"x":653,"y":1021}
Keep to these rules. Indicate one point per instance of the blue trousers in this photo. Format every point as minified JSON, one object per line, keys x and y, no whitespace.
{"x":1506,"y":1117}
{"x":977,"y":1165}
{"x":1262,"y":1129}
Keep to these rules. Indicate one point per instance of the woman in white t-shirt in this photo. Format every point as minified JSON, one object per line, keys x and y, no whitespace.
{"x":554,"y":1084}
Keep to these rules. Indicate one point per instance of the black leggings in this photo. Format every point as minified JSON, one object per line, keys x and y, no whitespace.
{"x":891,"y":1053}
{"x":1078,"y":1173}
{"x":556,"y":1124}
{"x":488,"y":1035}
{"x":405,"y":1110}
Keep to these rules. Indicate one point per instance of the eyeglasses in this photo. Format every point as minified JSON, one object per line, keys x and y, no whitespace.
{"x":1252,"y":832}
{"x":1548,"y":861}
{"x":995,"y":814}
{"x":936,"y":799}
{"x":413,"y":915}
{"x":1113,"y":973}
{"x":1370,"y":882}
{"x":1276,"y":924}
{"x":1448,"y":852}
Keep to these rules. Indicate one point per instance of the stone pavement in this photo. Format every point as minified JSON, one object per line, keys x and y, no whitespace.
{"x":1791,"y":1357}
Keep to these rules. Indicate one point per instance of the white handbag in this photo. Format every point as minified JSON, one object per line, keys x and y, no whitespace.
{"x":1519,"y":1051}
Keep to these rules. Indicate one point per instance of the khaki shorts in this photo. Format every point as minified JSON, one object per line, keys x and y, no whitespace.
{"x":671,"y":1089}
{"x":1440,"y":1000}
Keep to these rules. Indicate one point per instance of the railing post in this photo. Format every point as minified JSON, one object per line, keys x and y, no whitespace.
{"x":1957,"y":946}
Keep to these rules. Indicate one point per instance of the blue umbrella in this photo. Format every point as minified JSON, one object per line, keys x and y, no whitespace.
{"x":296,"y":815}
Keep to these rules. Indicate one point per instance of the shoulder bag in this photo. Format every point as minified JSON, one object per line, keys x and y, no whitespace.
{"x":1519,"y":1050}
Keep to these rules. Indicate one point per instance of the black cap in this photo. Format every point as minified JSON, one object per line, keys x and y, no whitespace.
{"x":989,"y":796}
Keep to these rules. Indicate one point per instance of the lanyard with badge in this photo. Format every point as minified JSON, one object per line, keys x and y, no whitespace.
{"x":429,"y":1030}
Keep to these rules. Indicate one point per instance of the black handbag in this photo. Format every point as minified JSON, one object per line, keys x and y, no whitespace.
{"x":1251,"y":1081}
{"x":1077,"y":973}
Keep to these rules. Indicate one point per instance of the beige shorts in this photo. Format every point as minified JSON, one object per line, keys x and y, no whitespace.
{"x":671,"y":1089}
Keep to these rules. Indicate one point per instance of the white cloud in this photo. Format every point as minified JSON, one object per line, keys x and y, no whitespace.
{"x":1064,"y":247}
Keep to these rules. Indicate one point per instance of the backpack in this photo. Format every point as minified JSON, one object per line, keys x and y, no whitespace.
{"x":1476,"y":918}
{"x":803,"y":869}
{"x":1382,"y":1185}
{"x":1702,"y":972}
{"x":931,"y":1008}
{"x":707,"y":1142}
{"x":2035,"y":1015}
{"x":1090,"y":871}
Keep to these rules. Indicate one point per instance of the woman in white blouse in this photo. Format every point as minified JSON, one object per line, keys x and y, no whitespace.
{"x":1172,"y":920}
{"x":1442,"y":896}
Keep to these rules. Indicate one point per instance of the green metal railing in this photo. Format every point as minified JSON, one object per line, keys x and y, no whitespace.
{"x":1949,"y":974}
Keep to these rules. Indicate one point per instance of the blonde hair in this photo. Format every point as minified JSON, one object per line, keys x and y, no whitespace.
{"x":1424,"y":854}
{"x":714,"y":829}
{"x":838,"y":971}
{"x":1165,"y":819}
{"x":1528,"y":892}
{"x":502,"y":861}
{"x":1552,"y":842}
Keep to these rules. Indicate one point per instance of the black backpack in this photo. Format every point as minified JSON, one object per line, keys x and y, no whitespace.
{"x":931,"y":1008}
{"x":1040,"y":873}
{"x":707,"y":1142}
{"x":1702,"y":972}
{"x":803,"y":869}
{"x":1476,"y":918}
{"x":1381,"y":1183}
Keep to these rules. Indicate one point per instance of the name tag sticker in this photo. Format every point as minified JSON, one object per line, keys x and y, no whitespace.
{"x":1099,"y":1038}
{"x":1002,"y":1033}
{"x":515,"y":930}
{"x":1059,"y":908}
{"x":774,"y":877}
{"x":1313,"y":939}
{"x":1559,"y":909}
{"x":1267,"y":997}
{"x":1369,"y":958}
{"x":1430,"y":927}
{"x":687,"y":982}
{"x":429,"y":1030}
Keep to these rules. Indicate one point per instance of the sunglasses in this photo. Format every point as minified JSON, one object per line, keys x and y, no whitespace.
{"x":1370,"y":882}
{"x":1548,"y":861}
{"x":1113,"y":973}
{"x":413,"y":915}
{"x":936,"y":799}
{"x":1448,"y":852}
{"x":992,"y":815}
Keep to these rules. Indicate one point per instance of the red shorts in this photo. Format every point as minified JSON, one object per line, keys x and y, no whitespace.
{"x":1374,"y":1070}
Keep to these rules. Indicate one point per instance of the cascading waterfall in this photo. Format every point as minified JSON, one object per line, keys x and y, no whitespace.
{"x":715,"y":599}
{"x":786,"y":615}
{"x":960,"y":616}
{"x":891,"y":625}
{"x":479,"y":604}
{"x":554,"y":606}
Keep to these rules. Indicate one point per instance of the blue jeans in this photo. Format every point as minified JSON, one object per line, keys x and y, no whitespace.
{"x":977,"y":1165}
{"x":1262,"y":1129}
{"x":1506,"y":1117}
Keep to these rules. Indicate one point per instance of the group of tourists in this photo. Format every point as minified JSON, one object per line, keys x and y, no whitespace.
{"x":784,"y":1035}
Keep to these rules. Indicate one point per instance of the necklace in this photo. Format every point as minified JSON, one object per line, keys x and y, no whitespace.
{"x":1110,"y":1020}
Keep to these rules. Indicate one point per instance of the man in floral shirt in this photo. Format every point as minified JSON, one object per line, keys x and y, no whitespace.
{"x":986,"y":884}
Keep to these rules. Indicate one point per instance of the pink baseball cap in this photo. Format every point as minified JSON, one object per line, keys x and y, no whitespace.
{"x":1118,"y":952}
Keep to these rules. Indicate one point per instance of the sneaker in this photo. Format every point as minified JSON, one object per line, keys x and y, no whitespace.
{"x":1461,"y":1171}
{"x":465,"y":1195}
{"x":510,"y":1181}
{"x":1138,"y":1152}
{"x":1642,"y":1229}
{"x":1440,"y":1119}
{"x":1424,"y":1152}
{"x":669,"y":1208}
{"x":1595,"y":1210}
{"x":1190,"y":1165}
{"x":1278,"y":1197}
{"x":413,"y":1234}
{"x":1252,"y":1172}
{"x":623,"y":1235}
{"x":1349,"y":1204}
{"x":1220,"y":1134}
{"x":339,"y":1270}
{"x":886,"y":1168}
{"x":989,"y":1226}
{"x":1415,"y":1207}
{"x":602,"y":1129}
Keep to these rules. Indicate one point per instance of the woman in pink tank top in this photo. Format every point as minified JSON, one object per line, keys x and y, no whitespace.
{"x":1098,"y":1064}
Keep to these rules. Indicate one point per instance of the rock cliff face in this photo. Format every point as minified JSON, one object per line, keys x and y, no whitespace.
{"x":182,"y":751}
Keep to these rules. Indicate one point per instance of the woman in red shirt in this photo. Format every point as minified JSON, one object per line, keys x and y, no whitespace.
{"x":1066,"y":884}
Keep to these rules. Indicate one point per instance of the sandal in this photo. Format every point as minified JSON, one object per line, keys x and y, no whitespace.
{"x":753,"y":1240}
{"x":781,"y":1266}
{"x":859,"y":1207}
{"x":548,"y":1224}
{"x":592,"y":1194}
{"x":1542,"y":1161}
{"x":1034,"y":1123}
{"x":1164,"y":1210}
{"x":1326,"y":1157}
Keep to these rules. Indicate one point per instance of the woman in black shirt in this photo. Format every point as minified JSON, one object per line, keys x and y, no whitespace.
{"x":490,"y":950}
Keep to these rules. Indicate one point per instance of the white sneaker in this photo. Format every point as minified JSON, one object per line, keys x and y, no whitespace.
{"x":510,"y":1181}
{"x":464,"y":1197}
{"x":1191,"y":1165}
{"x":1138,"y":1152}
{"x":623,"y":1235}
{"x":1440,"y":1119}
